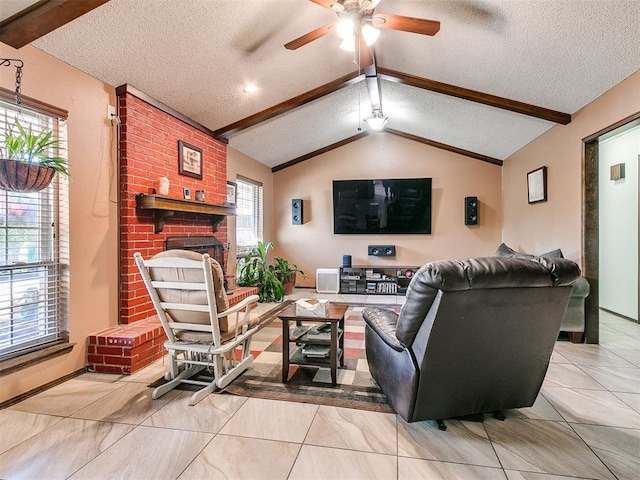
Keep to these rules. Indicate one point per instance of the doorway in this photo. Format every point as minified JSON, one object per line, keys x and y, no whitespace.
{"x":591,"y":220}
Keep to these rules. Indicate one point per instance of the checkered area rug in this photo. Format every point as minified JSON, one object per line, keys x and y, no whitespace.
{"x":309,"y":384}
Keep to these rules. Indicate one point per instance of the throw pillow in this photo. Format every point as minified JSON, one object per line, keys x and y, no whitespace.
{"x":505,"y":251}
{"x":557,"y":253}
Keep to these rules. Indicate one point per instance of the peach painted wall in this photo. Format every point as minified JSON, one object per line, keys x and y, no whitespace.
{"x":557,"y":223}
{"x":314,"y":245}
{"x":239,"y":164}
{"x":93,"y":212}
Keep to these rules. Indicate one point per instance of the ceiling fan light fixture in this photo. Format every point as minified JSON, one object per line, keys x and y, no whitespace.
{"x":370,"y":34}
{"x":377,"y":121}
{"x":344,"y":28}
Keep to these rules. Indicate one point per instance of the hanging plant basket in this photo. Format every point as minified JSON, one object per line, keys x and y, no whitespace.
{"x":18,"y":176}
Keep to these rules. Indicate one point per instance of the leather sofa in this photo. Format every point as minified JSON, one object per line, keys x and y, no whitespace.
{"x":473,"y":336}
{"x":573,"y":322}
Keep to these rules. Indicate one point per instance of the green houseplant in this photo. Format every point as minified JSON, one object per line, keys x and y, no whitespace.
{"x":286,"y":273}
{"x":257,"y":270}
{"x":268,"y":274}
{"x":26,"y":162}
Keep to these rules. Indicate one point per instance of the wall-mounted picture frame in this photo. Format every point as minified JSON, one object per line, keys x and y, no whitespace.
{"x":537,"y":185}
{"x":189,"y":160}
{"x":232,"y":194}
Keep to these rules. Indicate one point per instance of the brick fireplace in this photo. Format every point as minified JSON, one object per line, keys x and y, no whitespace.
{"x":148,"y":146}
{"x":201,"y":244}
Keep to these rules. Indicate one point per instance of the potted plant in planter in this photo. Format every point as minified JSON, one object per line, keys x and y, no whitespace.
{"x":257,"y":270}
{"x":286,"y":273}
{"x":26,"y":164}
{"x":270,"y":275}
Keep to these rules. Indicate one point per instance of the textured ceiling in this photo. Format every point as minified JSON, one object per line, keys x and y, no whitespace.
{"x":11,"y":7}
{"x":195,"y":56}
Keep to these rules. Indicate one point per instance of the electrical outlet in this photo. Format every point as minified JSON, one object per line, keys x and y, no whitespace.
{"x":111,"y":112}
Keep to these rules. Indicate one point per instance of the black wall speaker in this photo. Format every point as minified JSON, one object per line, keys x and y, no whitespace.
{"x":471,"y":210}
{"x":296,"y":211}
{"x":381,"y":250}
{"x":346,"y":261}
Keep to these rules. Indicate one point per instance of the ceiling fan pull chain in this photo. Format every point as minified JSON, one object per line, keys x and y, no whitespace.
{"x":359,"y":113}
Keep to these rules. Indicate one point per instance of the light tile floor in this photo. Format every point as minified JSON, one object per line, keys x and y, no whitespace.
{"x":585,"y":424}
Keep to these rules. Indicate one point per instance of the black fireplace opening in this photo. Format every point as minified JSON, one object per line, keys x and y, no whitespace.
{"x":202,"y":244}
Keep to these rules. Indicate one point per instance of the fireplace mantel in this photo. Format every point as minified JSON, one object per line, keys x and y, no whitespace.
{"x":165,"y":207}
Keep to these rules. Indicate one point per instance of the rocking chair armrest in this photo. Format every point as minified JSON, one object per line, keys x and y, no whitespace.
{"x":247,"y":302}
{"x":242,"y":311}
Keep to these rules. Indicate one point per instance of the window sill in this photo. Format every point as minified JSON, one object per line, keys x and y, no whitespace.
{"x":33,"y":358}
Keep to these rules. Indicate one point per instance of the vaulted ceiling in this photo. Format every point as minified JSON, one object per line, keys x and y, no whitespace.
{"x":497,"y":74}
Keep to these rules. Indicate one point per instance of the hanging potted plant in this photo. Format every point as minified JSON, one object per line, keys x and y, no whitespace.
{"x":26,"y":163}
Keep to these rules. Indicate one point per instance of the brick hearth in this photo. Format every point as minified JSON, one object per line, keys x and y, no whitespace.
{"x":127,"y":348}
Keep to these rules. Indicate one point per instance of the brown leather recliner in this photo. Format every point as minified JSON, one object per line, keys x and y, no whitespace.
{"x":473,"y":336}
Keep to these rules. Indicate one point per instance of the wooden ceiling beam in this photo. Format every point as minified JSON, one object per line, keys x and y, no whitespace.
{"x":315,"y":153}
{"x":444,"y":146}
{"x":290,"y":104}
{"x":475,"y":96}
{"x":41,"y":18}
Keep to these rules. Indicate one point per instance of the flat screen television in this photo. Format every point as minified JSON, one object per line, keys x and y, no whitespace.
{"x":397,"y":205}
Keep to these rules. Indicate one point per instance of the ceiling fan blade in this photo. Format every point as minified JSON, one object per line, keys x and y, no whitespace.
{"x":365,"y":56}
{"x":330,"y":4}
{"x":309,"y":37}
{"x":406,"y":24}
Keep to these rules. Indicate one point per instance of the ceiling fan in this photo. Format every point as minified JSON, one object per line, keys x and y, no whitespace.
{"x":358,"y":26}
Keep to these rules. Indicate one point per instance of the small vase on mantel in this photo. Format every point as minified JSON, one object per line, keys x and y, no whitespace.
{"x":163,"y":186}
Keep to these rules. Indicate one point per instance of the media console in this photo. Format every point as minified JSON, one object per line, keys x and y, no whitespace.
{"x":376,"y":280}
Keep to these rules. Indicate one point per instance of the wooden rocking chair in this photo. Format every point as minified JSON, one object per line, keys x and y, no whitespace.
{"x":205,"y":338}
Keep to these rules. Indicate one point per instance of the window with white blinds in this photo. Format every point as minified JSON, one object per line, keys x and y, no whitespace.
{"x":249,"y":211}
{"x":34,"y":253}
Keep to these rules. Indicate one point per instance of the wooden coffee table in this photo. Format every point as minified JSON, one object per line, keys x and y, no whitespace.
{"x":335,"y":342}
